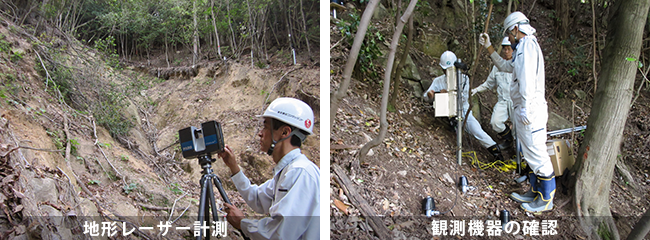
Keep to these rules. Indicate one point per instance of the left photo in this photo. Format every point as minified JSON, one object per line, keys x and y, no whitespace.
{"x":160,"y":119}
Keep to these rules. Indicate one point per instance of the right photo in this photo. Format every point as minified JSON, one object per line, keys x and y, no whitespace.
{"x":473,"y":119}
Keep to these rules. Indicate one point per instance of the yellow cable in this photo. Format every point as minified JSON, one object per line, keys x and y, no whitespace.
{"x":501,"y":166}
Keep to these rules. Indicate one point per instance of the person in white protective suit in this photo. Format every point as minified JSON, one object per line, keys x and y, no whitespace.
{"x":472,"y":127}
{"x":530,"y":109}
{"x":503,"y":108}
{"x":291,"y":199}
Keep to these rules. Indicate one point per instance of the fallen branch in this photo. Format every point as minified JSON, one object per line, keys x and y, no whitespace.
{"x":84,"y":188}
{"x":41,"y":149}
{"x":67,"y":140}
{"x":48,"y":78}
{"x":149,"y":158}
{"x":66,"y":175}
{"x":342,"y":147}
{"x":165,"y":148}
{"x":375,"y":222}
{"x":101,"y":150}
{"x":4,"y":154}
{"x":174,"y":205}
{"x":100,"y":164}
{"x":152,"y":207}
{"x":179,"y":216}
{"x":336,"y":44}
{"x":645,"y":77}
{"x":20,"y":153}
{"x":109,"y":161}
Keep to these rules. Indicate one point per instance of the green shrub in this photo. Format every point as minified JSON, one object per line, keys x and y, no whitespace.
{"x":4,"y":45}
{"x":369,"y":49}
{"x":176,"y":189}
{"x":16,"y":57}
{"x":130,"y":188}
{"x":107,"y":46}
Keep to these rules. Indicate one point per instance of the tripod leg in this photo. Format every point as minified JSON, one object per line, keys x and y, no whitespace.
{"x":213,"y":204}
{"x":224,"y":196}
{"x":217,"y":182}
{"x":206,"y":213}
{"x":202,"y":202}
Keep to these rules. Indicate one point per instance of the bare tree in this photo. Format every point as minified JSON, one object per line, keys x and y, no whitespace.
{"x":251,"y":30}
{"x":304,"y":27}
{"x":232,"y":32}
{"x":398,"y":72}
{"x":562,"y":11}
{"x":593,"y":28}
{"x":195,"y":42}
{"x":214,"y":24}
{"x":383,"y":125}
{"x":597,"y":154}
{"x":352,"y":59}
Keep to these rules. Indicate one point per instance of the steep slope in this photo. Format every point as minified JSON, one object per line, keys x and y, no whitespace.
{"x":107,"y":145}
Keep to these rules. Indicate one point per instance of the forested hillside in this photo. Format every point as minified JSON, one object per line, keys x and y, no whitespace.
{"x":139,"y":30}
{"x":380,"y":181}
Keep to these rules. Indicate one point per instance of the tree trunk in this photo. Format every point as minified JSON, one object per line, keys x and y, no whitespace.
{"x":214,"y":24}
{"x":562,"y":11}
{"x":195,"y":42}
{"x":597,"y":154}
{"x":261,"y":42}
{"x":352,"y":59}
{"x":397,"y":11}
{"x":251,"y":30}
{"x":593,"y":27}
{"x":509,"y":7}
{"x":232,"y":32}
{"x":304,"y":27}
{"x":166,"y":50}
{"x":288,"y":18}
{"x":383,"y":126}
{"x":398,"y":73}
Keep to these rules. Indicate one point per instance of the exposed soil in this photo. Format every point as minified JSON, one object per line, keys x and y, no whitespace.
{"x":418,"y":157}
{"x":140,"y":178}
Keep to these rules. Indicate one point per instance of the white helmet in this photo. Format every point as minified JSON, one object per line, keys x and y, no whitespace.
{"x":505,"y":42}
{"x":292,"y":112}
{"x":514,"y":19}
{"x":447,"y":59}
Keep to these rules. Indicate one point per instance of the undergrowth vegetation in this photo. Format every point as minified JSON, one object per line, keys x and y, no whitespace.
{"x":90,"y":90}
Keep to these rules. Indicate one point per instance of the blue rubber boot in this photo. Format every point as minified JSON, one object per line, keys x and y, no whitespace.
{"x":544,"y":200}
{"x":532,"y":192}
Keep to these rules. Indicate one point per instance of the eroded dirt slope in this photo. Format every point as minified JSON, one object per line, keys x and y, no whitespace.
{"x":70,"y":167}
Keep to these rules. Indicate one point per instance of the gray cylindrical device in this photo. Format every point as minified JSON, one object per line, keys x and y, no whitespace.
{"x":505,"y":218}
{"x":463,"y":184}
{"x":429,"y":206}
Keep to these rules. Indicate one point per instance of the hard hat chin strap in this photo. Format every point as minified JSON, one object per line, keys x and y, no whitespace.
{"x":295,"y":132}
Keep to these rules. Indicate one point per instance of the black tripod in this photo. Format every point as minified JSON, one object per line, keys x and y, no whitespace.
{"x":207,"y":192}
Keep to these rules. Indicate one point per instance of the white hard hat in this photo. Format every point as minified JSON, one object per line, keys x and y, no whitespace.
{"x":505,"y":42}
{"x":447,"y":59}
{"x":514,"y":19}
{"x":292,"y":112}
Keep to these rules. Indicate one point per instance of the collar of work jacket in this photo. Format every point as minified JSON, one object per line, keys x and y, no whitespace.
{"x":288,"y":158}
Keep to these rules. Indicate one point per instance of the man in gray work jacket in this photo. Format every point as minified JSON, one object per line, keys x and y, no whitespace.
{"x":292,"y":197}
